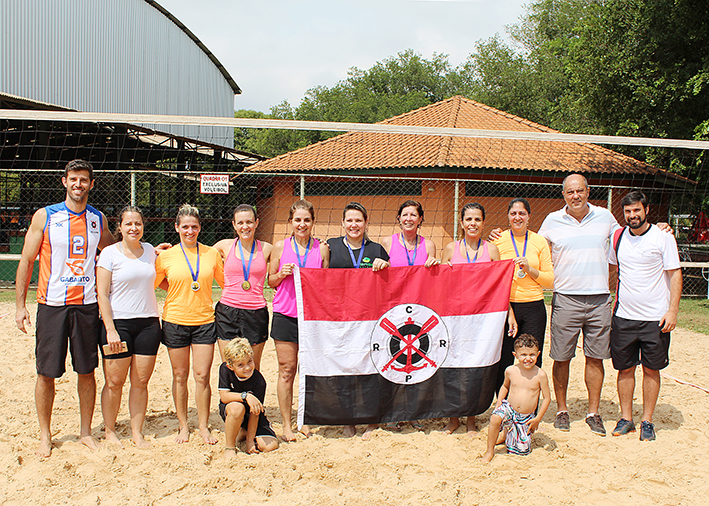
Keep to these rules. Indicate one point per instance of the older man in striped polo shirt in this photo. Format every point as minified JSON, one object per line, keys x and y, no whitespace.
{"x":579,"y":235}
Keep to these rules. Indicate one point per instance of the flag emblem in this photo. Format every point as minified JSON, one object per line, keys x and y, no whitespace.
{"x":408,"y":344}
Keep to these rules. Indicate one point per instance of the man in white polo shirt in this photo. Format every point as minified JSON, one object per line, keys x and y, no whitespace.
{"x":579,"y":235}
{"x":645,"y":312}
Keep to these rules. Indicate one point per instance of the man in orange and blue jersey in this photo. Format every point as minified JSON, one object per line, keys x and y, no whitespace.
{"x":66,"y":237}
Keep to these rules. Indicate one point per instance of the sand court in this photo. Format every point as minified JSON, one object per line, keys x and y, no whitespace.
{"x":394,"y":468}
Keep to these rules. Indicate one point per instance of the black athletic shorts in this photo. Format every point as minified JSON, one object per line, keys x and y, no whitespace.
{"x":142,"y":335}
{"x":232,"y":322}
{"x":635,"y":342}
{"x":284,"y":328}
{"x":264,"y":426}
{"x":75,"y":327}
{"x":181,"y":336}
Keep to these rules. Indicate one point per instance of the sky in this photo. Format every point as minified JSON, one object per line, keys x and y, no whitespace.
{"x":278,"y":49}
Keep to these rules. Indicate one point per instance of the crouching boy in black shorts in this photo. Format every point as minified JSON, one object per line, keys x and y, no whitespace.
{"x":242,"y":390}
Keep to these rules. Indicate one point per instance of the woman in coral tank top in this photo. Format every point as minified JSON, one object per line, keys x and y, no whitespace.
{"x":242,"y":311}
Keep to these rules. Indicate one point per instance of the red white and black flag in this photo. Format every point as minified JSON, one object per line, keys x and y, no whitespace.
{"x":405,"y":343}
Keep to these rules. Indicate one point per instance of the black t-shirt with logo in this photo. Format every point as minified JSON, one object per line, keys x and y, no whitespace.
{"x":340,"y":255}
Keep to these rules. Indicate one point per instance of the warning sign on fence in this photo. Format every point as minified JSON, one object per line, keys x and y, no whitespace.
{"x":214,"y":183}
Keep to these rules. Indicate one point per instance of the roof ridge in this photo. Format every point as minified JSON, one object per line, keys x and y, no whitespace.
{"x":416,"y":111}
{"x":507,"y":115}
{"x":447,"y":140}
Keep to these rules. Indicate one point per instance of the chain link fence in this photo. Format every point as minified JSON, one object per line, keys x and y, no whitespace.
{"x":159,"y":194}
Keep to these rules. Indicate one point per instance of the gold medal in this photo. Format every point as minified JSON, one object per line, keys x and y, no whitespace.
{"x":246,"y":285}
{"x":195,"y":286}
{"x":521,"y":273}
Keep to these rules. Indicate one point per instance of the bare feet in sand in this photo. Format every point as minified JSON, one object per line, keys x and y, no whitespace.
{"x":349,"y":431}
{"x":368,"y":431}
{"x":112,"y":438}
{"x":305,"y":430}
{"x":183,"y":436}
{"x":288,"y":435}
{"x":139,"y":441}
{"x":488,"y":456}
{"x":471,"y":427}
{"x":230,"y":453}
{"x":453,"y":424}
{"x":44,"y":450}
{"x":251,"y":447}
{"x":207,"y":436}
{"x":90,"y":442}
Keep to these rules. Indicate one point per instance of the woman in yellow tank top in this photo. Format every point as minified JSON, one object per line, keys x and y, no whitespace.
{"x":532,"y":273}
{"x":188,"y":325}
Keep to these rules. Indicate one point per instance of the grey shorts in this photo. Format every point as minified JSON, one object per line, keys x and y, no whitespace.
{"x":573,"y":314}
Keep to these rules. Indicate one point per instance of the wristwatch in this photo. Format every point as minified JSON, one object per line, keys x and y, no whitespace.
{"x":243,"y":396}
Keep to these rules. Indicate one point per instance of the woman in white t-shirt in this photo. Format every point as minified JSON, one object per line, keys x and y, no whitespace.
{"x":131,"y":337}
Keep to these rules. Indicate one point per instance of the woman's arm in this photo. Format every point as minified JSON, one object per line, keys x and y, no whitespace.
{"x":223,"y":247}
{"x":386,"y":243}
{"x":493,"y":251}
{"x":430,"y":253}
{"x":104,"y":278}
{"x":325,"y":255}
{"x":267,"y":249}
{"x":219,"y":271}
{"x":448,"y":252}
{"x":546,"y":268}
{"x":160,"y":273}
{"x":275,"y":275}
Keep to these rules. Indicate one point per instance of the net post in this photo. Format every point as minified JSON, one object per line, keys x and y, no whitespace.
{"x":302,"y":187}
{"x":456,"y":204}
{"x":132,"y":188}
{"x":610,"y":199}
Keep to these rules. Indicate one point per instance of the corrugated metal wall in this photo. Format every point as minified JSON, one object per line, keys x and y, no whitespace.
{"x":110,"y":56}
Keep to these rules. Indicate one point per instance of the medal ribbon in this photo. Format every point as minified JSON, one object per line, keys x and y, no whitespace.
{"x":361,"y":254}
{"x":514,"y":243}
{"x":297,"y":253}
{"x":247,"y":270}
{"x":475,"y":258}
{"x":408,"y":258}
{"x":194,"y":275}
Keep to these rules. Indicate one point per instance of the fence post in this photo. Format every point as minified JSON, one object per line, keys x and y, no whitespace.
{"x":456,"y":203}
{"x":610,"y":199}
{"x":302,"y":187}
{"x":132,"y":188}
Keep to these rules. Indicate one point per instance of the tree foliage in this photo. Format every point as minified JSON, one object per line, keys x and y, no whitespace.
{"x":617,"y":67}
{"x":391,"y":87}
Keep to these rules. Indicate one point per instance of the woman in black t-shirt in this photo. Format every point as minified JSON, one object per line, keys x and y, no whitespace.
{"x":355,"y":250}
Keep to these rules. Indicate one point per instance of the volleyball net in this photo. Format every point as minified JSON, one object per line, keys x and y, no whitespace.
{"x":161,"y":162}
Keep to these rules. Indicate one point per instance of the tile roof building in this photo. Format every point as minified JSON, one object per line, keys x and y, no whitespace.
{"x":444,"y":172}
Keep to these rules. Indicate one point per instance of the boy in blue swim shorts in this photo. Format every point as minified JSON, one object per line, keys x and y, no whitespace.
{"x":518,"y":399}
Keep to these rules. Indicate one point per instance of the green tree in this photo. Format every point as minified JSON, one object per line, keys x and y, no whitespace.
{"x":266,"y":141}
{"x":391,"y":87}
{"x":642,"y":66}
{"x":529,"y":77}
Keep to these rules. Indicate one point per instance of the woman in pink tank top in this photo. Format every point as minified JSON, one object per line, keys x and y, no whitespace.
{"x":408,"y":248}
{"x":242,"y":310}
{"x":303,"y":250}
{"x":471,"y":249}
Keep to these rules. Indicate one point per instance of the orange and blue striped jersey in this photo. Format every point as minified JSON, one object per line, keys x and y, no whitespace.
{"x":67,"y":257}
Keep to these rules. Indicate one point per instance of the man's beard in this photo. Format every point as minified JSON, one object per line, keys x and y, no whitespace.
{"x":637,"y":225}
